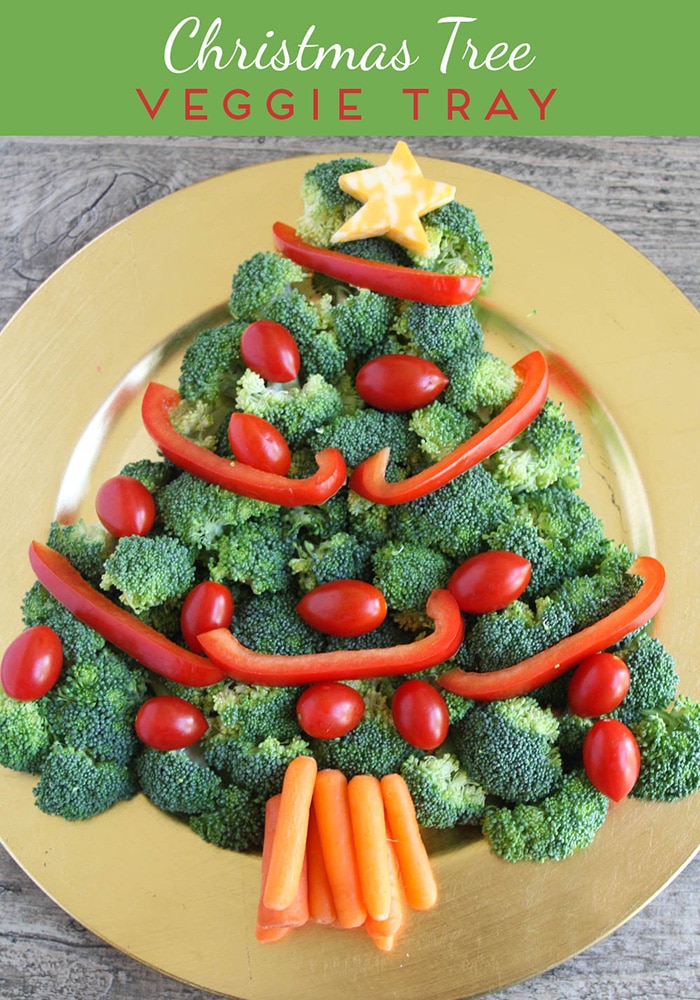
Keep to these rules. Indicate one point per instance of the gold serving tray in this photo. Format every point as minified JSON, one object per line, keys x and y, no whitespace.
{"x":625,"y":350}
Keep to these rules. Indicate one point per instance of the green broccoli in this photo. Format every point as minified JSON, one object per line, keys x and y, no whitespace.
{"x":326,"y":206}
{"x":258,"y":281}
{"x":212,"y":364}
{"x":456,"y":242}
{"x":310,"y":323}
{"x":548,"y":451}
{"x":441,"y":428}
{"x":256,"y":553}
{"x":148,"y":571}
{"x":75,"y":786}
{"x":85,"y":546}
{"x":236,"y":824}
{"x":362,"y":322}
{"x":480,"y":383}
{"x":367,"y":431}
{"x":200,"y":421}
{"x":79,"y":641}
{"x":94,"y":704}
{"x":341,"y":557}
{"x":374,"y":746}
{"x":442,"y":334}
{"x":153,"y":474}
{"x":669,"y":746}
{"x":296,"y":411}
{"x":442,"y":791}
{"x":562,"y":823}
{"x":178,"y":781}
{"x":24,"y":734}
{"x":270,"y":623}
{"x":257,"y":767}
{"x":509,"y":748}
{"x":367,"y":519}
{"x":653,"y":678}
{"x":253,"y":711}
{"x":406,"y":572}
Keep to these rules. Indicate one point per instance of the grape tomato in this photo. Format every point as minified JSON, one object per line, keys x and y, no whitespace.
{"x":399,"y":382}
{"x":598,"y":685}
{"x":167,"y":722}
{"x":207,"y":606}
{"x":269,"y":349}
{"x":32,"y":663}
{"x":343,"y":607}
{"x":329,"y":709}
{"x":611,"y":758}
{"x":489,"y":581}
{"x":125,"y":506}
{"x":420,"y":714}
{"x":256,"y":442}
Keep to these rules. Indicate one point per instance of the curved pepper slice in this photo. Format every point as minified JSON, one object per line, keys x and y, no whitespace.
{"x":389,"y":279}
{"x":368,"y":479}
{"x":117,"y":625}
{"x":549,"y":664}
{"x":158,"y":403}
{"x":251,"y":667}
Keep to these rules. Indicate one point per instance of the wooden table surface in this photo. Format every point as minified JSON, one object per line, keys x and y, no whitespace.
{"x":59,"y":193}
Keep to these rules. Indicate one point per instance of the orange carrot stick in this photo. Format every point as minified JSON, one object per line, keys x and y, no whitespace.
{"x":289,"y":842}
{"x":388,"y":929}
{"x":369,"y":836}
{"x":268,"y":935}
{"x":414,"y":864}
{"x":297,"y":913}
{"x":335,"y":831}
{"x":321,"y":905}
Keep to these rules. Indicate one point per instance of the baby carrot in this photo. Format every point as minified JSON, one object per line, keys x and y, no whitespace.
{"x":384,"y":932}
{"x":321,"y":905}
{"x":369,"y":836}
{"x":268,"y":935}
{"x":297,"y":913}
{"x":335,"y":831}
{"x":414,"y":864}
{"x":289,"y":842}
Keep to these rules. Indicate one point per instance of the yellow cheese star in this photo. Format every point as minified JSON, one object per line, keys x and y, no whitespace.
{"x":395,"y":196}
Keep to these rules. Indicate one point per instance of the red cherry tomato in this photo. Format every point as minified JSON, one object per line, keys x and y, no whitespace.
{"x":125,"y":506}
{"x":209,"y":605}
{"x":399,"y":382}
{"x":611,"y":758}
{"x":420,"y":714}
{"x":329,"y":709}
{"x":256,"y":442}
{"x":270,"y":350}
{"x":167,"y":722}
{"x":32,"y":663}
{"x":598,"y":685}
{"x":489,"y":581}
{"x":343,"y":607}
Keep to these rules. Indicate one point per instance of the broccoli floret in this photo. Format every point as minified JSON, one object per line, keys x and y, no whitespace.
{"x":251,"y":711}
{"x":374,"y":746}
{"x":153,"y":474}
{"x":564,"y":822}
{"x":256,"y":553}
{"x":441,"y":428}
{"x":258,"y":281}
{"x":79,"y":641}
{"x":200,"y":421}
{"x":653,"y":678}
{"x":75,"y":786}
{"x":212,"y":363}
{"x":406,"y":572}
{"x":547,"y":451}
{"x":558,"y":532}
{"x":197,"y":513}
{"x":669,"y":746}
{"x":456,"y":242}
{"x":457,"y":517}
{"x":270,"y":623}
{"x":94,"y":705}
{"x":297,"y":412}
{"x":440,"y":333}
{"x":362,"y":323}
{"x":442,"y":792}
{"x":341,"y":557}
{"x":178,"y":781}
{"x":258,"y":768}
{"x":479,"y":383}
{"x":366,"y":432}
{"x":24,"y":734}
{"x":509,"y":748}
{"x":149,"y":570}
{"x":572,"y":733}
{"x":310,"y":323}
{"x":326,"y":206}
{"x":367,"y":519}
{"x":237,"y":824}
{"x":85,"y":546}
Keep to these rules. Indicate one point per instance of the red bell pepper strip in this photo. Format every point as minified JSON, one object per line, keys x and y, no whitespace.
{"x":158,"y":403}
{"x":368,"y":479}
{"x":272,"y":669}
{"x":549,"y":664}
{"x":116,"y":624}
{"x":389,"y":279}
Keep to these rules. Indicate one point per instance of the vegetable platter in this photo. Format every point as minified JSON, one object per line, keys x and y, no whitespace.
{"x":620,"y":342}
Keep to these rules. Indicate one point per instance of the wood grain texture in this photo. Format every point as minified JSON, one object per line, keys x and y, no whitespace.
{"x":59,"y":193}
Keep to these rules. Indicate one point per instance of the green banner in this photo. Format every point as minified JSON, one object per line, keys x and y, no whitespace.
{"x":195,"y":67}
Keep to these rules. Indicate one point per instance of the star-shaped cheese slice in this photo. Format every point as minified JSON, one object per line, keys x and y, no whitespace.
{"x":395,"y":196}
